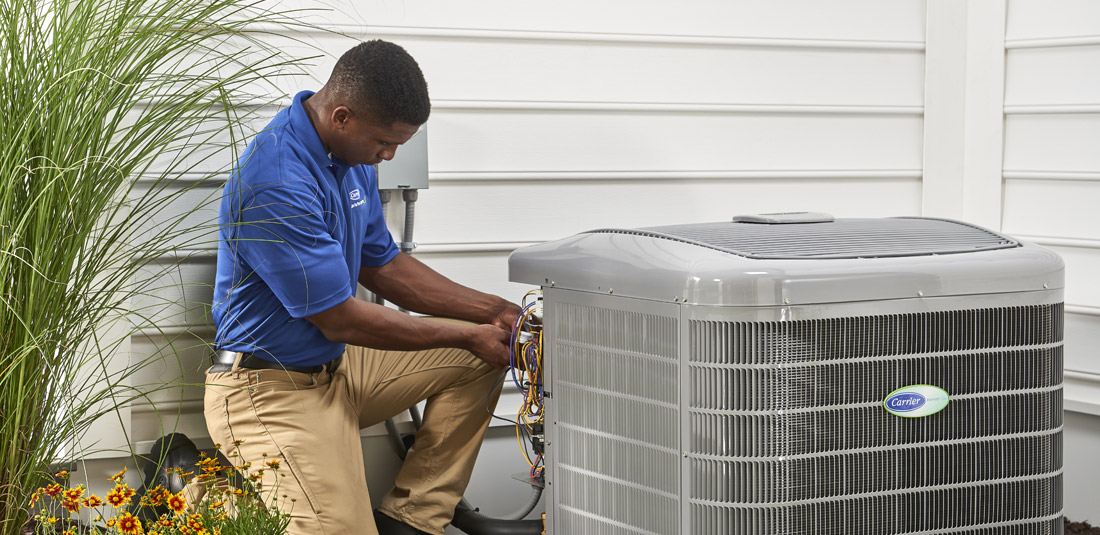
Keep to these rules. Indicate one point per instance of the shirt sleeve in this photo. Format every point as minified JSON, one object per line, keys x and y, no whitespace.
{"x":280,"y":232}
{"x":378,"y":245}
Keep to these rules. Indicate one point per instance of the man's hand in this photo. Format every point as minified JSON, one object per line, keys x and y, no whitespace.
{"x":490,"y":343}
{"x":506,"y":317}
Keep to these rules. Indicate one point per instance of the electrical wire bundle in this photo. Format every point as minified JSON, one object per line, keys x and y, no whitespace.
{"x":526,"y":362}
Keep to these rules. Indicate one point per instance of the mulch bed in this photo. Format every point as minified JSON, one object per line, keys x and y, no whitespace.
{"x":1081,"y":528}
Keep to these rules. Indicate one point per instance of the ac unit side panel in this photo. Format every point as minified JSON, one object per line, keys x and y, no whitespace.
{"x":787,"y":433}
{"x":613,"y":461}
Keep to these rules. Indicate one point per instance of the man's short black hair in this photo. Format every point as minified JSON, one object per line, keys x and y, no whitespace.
{"x":382,"y":79}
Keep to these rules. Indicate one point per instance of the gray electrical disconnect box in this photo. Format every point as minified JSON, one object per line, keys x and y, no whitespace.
{"x":409,"y":168}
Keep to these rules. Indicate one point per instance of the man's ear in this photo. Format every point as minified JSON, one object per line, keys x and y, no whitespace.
{"x":340,"y":116}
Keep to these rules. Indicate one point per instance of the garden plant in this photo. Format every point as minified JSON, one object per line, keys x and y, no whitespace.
{"x":110,"y":112}
{"x":222,"y":510}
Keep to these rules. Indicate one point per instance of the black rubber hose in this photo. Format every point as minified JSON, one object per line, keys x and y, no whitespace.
{"x":475,"y":523}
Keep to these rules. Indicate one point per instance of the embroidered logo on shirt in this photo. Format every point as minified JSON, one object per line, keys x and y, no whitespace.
{"x":355,"y":196}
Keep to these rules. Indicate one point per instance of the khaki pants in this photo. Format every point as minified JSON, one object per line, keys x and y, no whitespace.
{"x":311,"y":423}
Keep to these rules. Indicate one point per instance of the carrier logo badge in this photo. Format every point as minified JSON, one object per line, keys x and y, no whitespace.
{"x":916,"y":401}
{"x":354,"y":195}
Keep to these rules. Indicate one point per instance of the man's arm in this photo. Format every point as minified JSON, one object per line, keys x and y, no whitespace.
{"x":367,"y":324}
{"x":407,"y":282}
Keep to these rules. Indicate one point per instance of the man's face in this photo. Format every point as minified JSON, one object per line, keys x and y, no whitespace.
{"x":362,"y":142}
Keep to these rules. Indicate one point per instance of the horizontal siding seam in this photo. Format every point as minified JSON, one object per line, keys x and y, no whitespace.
{"x":1052,"y":42}
{"x":1050,"y":109}
{"x":609,"y":37}
{"x":679,"y":107}
{"x":731,"y":174}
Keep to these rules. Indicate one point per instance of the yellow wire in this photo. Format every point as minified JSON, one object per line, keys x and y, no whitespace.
{"x":531,"y":401}
{"x":519,"y":440}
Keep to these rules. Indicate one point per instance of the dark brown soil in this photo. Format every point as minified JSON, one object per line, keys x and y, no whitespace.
{"x":1081,"y":528}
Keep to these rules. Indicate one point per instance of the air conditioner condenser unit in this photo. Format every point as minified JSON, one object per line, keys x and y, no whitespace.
{"x":800,"y":374}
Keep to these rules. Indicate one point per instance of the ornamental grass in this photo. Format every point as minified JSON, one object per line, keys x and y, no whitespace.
{"x":110,"y":112}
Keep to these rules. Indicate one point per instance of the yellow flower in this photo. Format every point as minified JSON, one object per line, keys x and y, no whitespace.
{"x":63,"y":474}
{"x":129,"y":524}
{"x":118,"y":497}
{"x":72,"y":506}
{"x":51,"y":520}
{"x":209,"y":466}
{"x":273,"y":463}
{"x":119,"y":475}
{"x":93,"y":501}
{"x":157,"y":496}
{"x":177,"y":504}
{"x":74,"y":495}
{"x":52,"y":490}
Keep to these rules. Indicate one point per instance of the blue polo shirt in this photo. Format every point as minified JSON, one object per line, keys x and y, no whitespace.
{"x":295,"y":226}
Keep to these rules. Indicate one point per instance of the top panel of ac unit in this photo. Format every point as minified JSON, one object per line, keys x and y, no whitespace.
{"x":783,"y":259}
{"x":773,"y":238}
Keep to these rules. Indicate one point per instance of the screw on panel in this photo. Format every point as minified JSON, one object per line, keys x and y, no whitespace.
{"x":786,"y":300}
{"x":610,"y":290}
{"x":920,"y":294}
{"x":1045,"y":285}
{"x":685,"y":455}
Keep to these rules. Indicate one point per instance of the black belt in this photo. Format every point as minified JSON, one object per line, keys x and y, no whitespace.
{"x":223,"y":362}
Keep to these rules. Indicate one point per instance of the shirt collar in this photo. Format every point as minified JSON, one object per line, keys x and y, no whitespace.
{"x":303,"y":127}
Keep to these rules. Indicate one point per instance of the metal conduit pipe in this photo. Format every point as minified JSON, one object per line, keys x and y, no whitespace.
{"x":414,"y":413}
{"x":409,"y":196}
{"x":395,"y":438}
{"x":407,"y":244}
